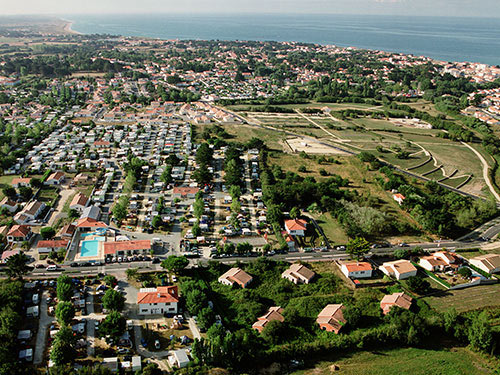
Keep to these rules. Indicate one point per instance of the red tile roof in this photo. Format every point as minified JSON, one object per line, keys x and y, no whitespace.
{"x":19,"y":231}
{"x":357,"y":266}
{"x":114,"y":246}
{"x":296,"y":224}
{"x":87,"y":222}
{"x":162,"y":294}
{"x":52,"y":243}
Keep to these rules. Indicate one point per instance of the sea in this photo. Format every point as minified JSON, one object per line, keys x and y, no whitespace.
{"x":441,"y":38}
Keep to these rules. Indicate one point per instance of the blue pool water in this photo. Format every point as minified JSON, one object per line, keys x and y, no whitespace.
{"x":89,"y":248}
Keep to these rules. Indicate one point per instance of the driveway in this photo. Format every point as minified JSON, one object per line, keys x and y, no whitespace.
{"x":64,"y":194}
{"x":43,"y":326}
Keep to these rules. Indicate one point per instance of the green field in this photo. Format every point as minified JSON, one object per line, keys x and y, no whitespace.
{"x":454,"y":361}
{"x":5,"y":181}
{"x":466,"y":299}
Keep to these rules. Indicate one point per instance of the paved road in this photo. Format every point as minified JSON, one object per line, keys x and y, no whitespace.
{"x":43,"y":327}
{"x":90,"y":326}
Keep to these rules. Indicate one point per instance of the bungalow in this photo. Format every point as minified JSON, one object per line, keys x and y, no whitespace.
{"x":296,"y":227}
{"x":399,"y":269}
{"x":91,"y":212}
{"x":431,"y":263}
{"x":489,"y":263}
{"x":126,"y":248}
{"x":185,"y":192}
{"x":45,"y":247}
{"x":18,"y":182}
{"x":236,"y":275}
{"x":399,"y":198}
{"x":56,"y":178}
{"x":178,"y":358}
{"x":298,"y":273}
{"x":331,"y":318}
{"x":67,"y":231}
{"x":30,"y":212}
{"x":79,"y":202}
{"x":356,"y":270}
{"x":86,"y":224}
{"x":18,"y":234}
{"x":159,"y":300}
{"x":82,"y":179}
{"x":8,"y":204}
{"x":8,"y":253}
{"x":274,"y":313}
{"x":396,"y":299}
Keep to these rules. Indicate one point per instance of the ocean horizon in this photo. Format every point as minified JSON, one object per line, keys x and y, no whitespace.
{"x":442,"y":38}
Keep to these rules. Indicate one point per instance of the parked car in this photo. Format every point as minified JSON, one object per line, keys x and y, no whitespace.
{"x":52,"y":267}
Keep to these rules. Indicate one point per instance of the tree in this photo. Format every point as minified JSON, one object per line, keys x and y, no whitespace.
{"x":243,"y":248}
{"x":235,"y":206}
{"x":63,"y":351}
{"x":235,"y":191}
{"x":47,"y":233}
{"x":64,"y":288}
{"x":17,"y":266}
{"x":295,"y":213}
{"x":274,"y":332}
{"x":25,"y":192}
{"x":418,"y":285}
{"x":113,"y":325}
{"x":132,"y":273}
{"x":358,"y":247}
{"x":205,"y":318}
{"x":196,"y":229}
{"x":65,"y":312}
{"x":113,"y":300}
{"x":352,"y":315}
{"x":157,"y":222}
{"x":195,"y":301}
{"x":9,"y":192}
{"x":110,"y":280}
{"x":479,"y":333}
{"x":465,"y":272}
{"x":36,"y":183}
{"x":175,"y":263}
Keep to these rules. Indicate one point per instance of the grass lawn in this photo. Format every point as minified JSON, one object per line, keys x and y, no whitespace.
{"x":454,"y":361}
{"x":332,"y":229}
{"x":5,"y":181}
{"x":466,"y":299}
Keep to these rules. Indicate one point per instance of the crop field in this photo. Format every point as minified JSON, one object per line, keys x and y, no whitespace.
{"x":466,"y":299}
{"x":413,"y":361}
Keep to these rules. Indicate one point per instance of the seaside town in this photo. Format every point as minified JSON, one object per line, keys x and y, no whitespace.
{"x":197,"y":207}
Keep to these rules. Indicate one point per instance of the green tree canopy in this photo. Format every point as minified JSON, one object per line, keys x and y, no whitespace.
{"x":358,"y":247}
{"x":175,"y":263}
{"x":113,"y":300}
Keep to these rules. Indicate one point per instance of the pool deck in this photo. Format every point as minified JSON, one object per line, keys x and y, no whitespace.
{"x":100,"y":249}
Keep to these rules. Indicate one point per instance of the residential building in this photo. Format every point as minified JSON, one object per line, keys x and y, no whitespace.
{"x":236,"y":276}
{"x":18,"y":182}
{"x":274,"y":313}
{"x":438,"y":261}
{"x":296,"y":227}
{"x":399,"y":198}
{"x":8,"y":253}
{"x":45,"y":247}
{"x":399,"y":269}
{"x":79,"y":202}
{"x":178,"y":358}
{"x":185,"y":192}
{"x":67,"y":231}
{"x":30,"y":212}
{"x":56,"y":178}
{"x":331,"y":318}
{"x":18,"y":234}
{"x":159,"y":300}
{"x":298,"y":274}
{"x":356,"y":270}
{"x":396,"y":299}
{"x":8,"y":204}
{"x":489,"y":263}
{"x":126,"y":248}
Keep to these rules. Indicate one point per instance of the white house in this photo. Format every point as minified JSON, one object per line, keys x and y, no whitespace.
{"x":10,"y":205}
{"x":160,"y":300}
{"x":179,"y":358}
{"x":489,"y":263}
{"x":356,"y":270}
{"x":296,"y":227}
{"x":298,"y":274}
{"x":236,"y":276}
{"x":399,"y":269}
{"x":79,"y":202}
{"x":56,"y":178}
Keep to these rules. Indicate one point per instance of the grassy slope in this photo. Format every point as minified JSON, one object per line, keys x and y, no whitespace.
{"x":455,"y":361}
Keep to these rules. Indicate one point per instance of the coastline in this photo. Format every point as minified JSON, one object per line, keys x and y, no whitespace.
{"x":67,"y":28}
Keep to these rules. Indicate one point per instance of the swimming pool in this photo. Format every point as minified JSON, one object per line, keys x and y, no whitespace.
{"x":89,"y":248}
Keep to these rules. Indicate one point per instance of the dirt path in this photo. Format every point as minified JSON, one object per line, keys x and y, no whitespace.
{"x":486,"y":168}
{"x":65,"y":195}
{"x":338,"y":139}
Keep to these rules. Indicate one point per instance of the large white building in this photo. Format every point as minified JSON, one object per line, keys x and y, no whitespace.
{"x":160,"y":300}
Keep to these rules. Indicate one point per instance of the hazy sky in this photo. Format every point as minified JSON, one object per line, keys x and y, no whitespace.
{"x":476,"y":8}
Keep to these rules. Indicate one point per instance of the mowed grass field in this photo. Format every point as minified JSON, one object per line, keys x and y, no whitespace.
{"x":412,"y":361}
{"x":466,"y":299}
